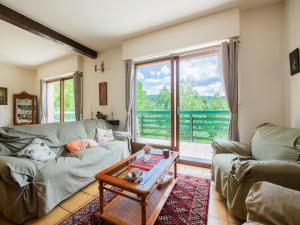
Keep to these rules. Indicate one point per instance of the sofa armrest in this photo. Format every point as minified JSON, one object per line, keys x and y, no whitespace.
{"x":280,"y":203}
{"x":225,"y":146}
{"x":19,"y":171}
{"x":279,"y":172}
{"x":122,"y":135}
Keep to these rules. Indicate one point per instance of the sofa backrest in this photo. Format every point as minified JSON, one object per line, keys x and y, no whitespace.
{"x":59,"y":134}
{"x":272,"y":142}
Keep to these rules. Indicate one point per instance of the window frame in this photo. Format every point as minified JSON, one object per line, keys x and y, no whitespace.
{"x":62,"y":96}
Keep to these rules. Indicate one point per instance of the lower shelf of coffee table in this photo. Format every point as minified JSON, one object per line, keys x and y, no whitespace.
{"x":122,"y":211}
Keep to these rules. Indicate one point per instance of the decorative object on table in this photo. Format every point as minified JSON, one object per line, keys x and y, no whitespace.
{"x":165,"y":181}
{"x":101,"y":67}
{"x":294,"y":61}
{"x":166,"y":153}
{"x":25,"y":109}
{"x":147,"y":157}
{"x":103,"y":93}
{"x":147,"y":148}
{"x":114,"y":122}
{"x":3,"y":96}
{"x":135,"y":175}
{"x":101,"y":116}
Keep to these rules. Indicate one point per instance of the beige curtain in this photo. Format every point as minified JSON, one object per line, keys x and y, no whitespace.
{"x":229,"y":71}
{"x":43,"y":102}
{"x":129,"y":68}
{"x":78,"y":95}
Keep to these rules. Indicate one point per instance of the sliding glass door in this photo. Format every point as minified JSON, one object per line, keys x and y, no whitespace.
{"x":204,"y":113}
{"x":153,"y":106}
{"x":180,"y":103}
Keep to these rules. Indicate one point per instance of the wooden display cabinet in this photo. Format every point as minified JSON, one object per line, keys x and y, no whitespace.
{"x":25,"y":109}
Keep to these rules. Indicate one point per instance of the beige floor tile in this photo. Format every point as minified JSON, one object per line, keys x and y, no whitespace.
{"x":76,"y":201}
{"x":217,"y":209}
{"x":51,"y":218}
{"x":214,"y":194}
{"x":91,"y":189}
{"x":214,"y":221}
{"x":193,"y":171}
{"x":233,"y":219}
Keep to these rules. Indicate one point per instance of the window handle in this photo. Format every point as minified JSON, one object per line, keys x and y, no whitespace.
{"x":178,"y":110}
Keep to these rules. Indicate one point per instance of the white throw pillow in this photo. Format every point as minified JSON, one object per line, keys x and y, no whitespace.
{"x":37,"y":150}
{"x":89,"y":143}
{"x":104,"y":136}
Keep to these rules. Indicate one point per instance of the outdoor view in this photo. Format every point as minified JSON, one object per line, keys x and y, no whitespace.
{"x":53,"y":101}
{"x":204,"y":111}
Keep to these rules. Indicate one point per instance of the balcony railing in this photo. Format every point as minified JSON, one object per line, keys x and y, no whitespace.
{"x":195,"y":126}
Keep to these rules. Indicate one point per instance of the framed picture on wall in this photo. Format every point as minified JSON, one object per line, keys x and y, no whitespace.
{"x":3,"y":96}
{"x":294,"y":61}
{"x":103,"y":93}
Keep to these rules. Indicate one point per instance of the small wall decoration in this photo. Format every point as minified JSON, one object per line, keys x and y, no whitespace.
{"x":294,"y":61}
{"x":103,"y":93}
{"x":3,"y":96}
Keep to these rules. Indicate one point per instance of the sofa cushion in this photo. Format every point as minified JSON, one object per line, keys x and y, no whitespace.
{"x":272,"y":142}
{"x":37,"y":150}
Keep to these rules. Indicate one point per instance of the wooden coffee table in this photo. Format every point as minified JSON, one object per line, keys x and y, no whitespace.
{"x":135,"y":204}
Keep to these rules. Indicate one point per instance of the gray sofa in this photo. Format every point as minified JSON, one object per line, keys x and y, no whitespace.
{"x":31,"y":188}
{"x":272,"y":156}
{"x":270,"y":204}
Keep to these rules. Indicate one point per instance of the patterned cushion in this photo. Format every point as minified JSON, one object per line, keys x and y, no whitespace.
{"x":37,"y":150}
{"x":104,"y":136}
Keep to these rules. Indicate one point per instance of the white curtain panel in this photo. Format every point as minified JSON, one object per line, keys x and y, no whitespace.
{"x":43,"y":102}
{"x":129,"y":67}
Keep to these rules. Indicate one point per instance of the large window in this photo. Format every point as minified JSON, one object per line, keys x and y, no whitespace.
{"x":60,"y":100}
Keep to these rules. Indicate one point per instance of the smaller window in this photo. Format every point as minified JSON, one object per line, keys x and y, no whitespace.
{"x":60,"y":100}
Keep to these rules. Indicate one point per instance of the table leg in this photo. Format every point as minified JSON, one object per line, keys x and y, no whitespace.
{"x":175,"y":169}
{"x":101,"y":200}
{"x":144,"y":210}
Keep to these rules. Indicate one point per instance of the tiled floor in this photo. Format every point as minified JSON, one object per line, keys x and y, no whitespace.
{"x":217,"y":215}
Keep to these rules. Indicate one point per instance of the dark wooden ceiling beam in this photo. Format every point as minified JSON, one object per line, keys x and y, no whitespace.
{"x":34,"y":27}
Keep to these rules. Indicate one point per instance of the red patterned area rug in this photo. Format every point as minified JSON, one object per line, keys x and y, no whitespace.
{"x":186,"y":205}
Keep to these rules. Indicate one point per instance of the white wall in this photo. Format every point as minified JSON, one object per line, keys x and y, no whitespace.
{"x":114,"y":75}
{"x":60,"y":67}
{"x":207,"y":29}
{"x":291,"y":41}
{"x":16,"y":80}
{"x":261,"y":65}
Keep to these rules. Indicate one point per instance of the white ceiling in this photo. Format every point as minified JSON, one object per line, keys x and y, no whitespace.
{"x":98,"y":24}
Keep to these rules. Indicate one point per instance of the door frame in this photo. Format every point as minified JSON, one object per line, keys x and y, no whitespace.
{"x":138,"y":145}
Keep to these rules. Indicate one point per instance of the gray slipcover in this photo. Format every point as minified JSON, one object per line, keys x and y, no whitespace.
{"x":271,"y":204}
{"x":31,"y":188}
{"x":272,"y":156}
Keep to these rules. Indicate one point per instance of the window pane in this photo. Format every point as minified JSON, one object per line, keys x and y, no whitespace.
{"x":204,"y":113}
{"x":153,"y":103}
{"x":69,"y":103}
{"x":53,"y":102}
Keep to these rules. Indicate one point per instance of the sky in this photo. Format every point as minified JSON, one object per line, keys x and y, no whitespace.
{"x":202,"y":72}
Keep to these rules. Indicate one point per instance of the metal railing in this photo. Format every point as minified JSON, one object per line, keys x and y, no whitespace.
{"x":195,"y":126}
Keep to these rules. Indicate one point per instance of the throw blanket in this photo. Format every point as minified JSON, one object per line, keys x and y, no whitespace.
{"x":14,"y":139}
